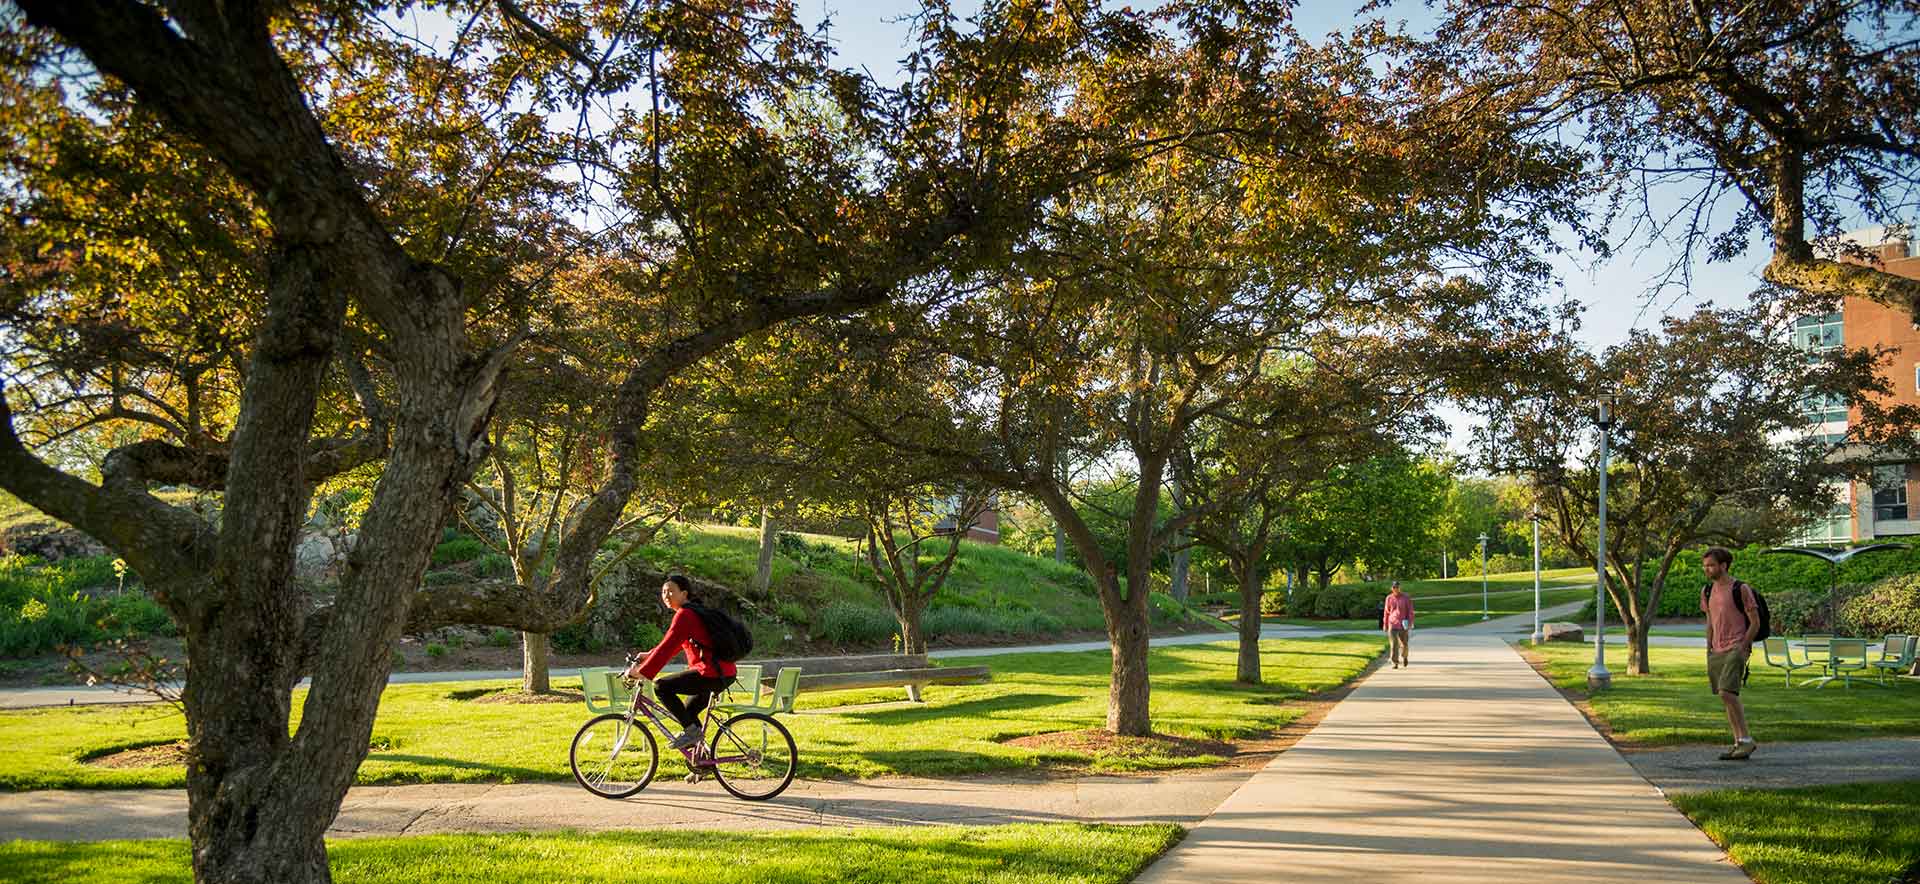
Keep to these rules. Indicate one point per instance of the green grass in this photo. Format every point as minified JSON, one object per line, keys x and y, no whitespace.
{"x":1672,"y":705}
{"x":1862,"y":833}
{"x":1058,"y":853}
{"x":427,"y":734}
{"x":1432,"y":613}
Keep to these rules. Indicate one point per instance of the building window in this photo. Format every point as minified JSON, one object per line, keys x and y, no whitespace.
{"x":1890,"y":493}
{"x":1825,"y":409}
{"x":1817,"y":333}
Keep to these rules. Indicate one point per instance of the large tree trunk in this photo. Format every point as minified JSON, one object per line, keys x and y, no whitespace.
{"x":1127,"y":632}
{"x":769,"y":536}
{"x":534,"y":668}
{"x":913,"y":638}
{"x":1637,"y":629}
{"x":1247,"y":669}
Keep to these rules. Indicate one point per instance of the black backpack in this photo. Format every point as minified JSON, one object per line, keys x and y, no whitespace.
{"x":1759,"y":602}
{"x":730,"y":639}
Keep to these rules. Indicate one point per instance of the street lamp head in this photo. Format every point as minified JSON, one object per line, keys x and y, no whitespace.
{"x":1604,"y":417}
{"x":1483,"y":538}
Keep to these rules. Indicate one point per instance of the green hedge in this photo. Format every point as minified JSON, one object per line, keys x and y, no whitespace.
{"x":1800,"y":580}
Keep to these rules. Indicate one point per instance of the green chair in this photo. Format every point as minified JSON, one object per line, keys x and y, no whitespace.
{"x":604,"y":690}
{"x":1779,"y":654}
{"x":1896,"y":656}
{"x":1846,"y":657}
{"x":786,"y":688}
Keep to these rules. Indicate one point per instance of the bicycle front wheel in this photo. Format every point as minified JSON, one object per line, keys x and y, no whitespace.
{"x":614,"y":757}
{"x":753,"y":756}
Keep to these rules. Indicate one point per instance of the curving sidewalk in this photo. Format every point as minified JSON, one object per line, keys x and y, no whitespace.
{"x":1464,"y":767}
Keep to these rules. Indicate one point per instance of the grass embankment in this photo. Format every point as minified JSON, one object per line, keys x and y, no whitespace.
{"x":1060,"y":853}
{"x":1861,"y":833}
{"x":436,"y":733}
{"x":1672,"y":705}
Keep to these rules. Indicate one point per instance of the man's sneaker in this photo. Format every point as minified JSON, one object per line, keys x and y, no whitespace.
{"x":1741,"y":751}
{"x":688,"y":738}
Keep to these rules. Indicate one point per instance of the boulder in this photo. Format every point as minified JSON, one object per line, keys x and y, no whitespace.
{"x":49,"y":540}
{"x":1562,"y":632}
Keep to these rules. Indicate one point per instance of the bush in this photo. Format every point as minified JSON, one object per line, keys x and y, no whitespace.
{"x":1273,"y":602}
{"x":576,"y":638}
{"x":1230,"y":599}
{"x":492,"y":565}
{"x":944,"y":621}
{"x":500,"y":637}
{"x":43,"y":605}
{"x":1332,"y":603}
{"x":1889,"y":606}
{"x":1164,"y":610}
{"x":1364,"y":605}
{"x":846,"y":623}
{"x":645,"y":634}
{"x":436,"y":650}
{"x":460,"y":549}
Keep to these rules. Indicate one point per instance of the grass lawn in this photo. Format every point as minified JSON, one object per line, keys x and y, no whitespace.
{"x":1863,"y":833}
{"x":1060,"y":853}
{"x":429,"y":733}
{"x":1461,"y":611}
{"x":1672,"y":704}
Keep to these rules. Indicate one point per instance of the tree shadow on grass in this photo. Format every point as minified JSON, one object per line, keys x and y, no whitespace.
{"x":965,"y":708}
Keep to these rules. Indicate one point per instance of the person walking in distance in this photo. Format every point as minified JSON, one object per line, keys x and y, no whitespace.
{"x":1732,"y":625}
{"x":1396,"y":617}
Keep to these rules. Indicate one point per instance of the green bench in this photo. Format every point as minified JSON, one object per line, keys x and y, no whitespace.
{"x":606,"y":691}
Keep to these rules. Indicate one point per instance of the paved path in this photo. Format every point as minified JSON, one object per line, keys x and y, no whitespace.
{"x":1184,"y":799}
{"x":1780,"y":765}
{"x":1465,"y":767}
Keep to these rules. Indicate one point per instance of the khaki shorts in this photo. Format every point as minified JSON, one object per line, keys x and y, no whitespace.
{"x":1726,"y":670}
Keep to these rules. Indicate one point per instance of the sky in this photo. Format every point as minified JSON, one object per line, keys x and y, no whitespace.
{"x":1614,"y":294}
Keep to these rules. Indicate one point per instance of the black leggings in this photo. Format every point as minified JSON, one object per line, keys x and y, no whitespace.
{"x":692,"y":685}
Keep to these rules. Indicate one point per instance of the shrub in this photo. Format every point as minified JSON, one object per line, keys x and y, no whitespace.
{"x":1273,"y":602}
{"x":576,"y":638}
{"x":500,"y":638}
{"x":1889,"y":606}
{"x":492,"y":565}
{"x":645,"y":634}
{"x":846,"y":623}
{"x":460,"y":549}
{"x":1364,"y":604}
{"x":1164,"y":610}
{"x":1332,"y":603}
{"x":791,"y":612}
{"x":135,"y":614}
{"x":436,"y":650}
{"x":43,"y":605}
{"x":1230,"y":598}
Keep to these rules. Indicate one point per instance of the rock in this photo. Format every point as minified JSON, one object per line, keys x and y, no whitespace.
{"x":319,"y":554}
{"x":49,"y":540}
{"x":1563,"y":632}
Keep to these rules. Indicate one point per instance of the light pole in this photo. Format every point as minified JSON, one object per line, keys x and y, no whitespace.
{"x":1483,"y":575}
{"x":1598,"y":677}
{"x":1534,"y":517}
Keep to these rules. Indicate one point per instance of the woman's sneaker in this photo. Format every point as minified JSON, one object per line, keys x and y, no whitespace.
{"x":688,"y":738}
{"x":1741,"y":751}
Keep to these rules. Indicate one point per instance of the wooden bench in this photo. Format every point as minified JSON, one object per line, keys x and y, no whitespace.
{"x":877,"y":671}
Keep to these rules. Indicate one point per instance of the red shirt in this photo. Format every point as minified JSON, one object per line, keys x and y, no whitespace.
{"x":687,"y":634}
{"x":1398,"y":608}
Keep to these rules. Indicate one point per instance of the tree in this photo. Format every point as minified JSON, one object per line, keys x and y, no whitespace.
{"x":1797,"y":112}
{"x":901,"y":526}
{"x":407,"y":221}
{"x":1381,"y":511}
{"x":1247,"y":467}
{"x":1711,"y":412}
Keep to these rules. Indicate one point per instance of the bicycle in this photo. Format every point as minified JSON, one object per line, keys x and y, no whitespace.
{"x":750,"y":754}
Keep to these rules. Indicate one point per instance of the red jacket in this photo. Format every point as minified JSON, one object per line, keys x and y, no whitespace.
{"x":688,"y":634}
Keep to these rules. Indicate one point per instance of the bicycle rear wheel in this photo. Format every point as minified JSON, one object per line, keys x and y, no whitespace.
{"x":753,"y":756}
{"x":613,"y":757}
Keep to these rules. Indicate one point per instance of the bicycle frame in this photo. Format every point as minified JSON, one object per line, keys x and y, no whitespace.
{"x":697,"y":755}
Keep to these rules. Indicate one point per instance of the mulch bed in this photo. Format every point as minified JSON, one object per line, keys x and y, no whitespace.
{"x":515,"y":697}
{"x":164,"y":755}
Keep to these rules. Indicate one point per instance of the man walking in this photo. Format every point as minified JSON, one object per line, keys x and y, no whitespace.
{"x":1732,"y":624}
{"x":1396,"y":617}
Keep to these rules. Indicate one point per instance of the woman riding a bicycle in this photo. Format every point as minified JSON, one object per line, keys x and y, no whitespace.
{"x":704,"y":676}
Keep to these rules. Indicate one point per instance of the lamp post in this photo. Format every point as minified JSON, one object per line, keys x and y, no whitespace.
{"x":1483,"y":575}
{"x":1534,"y":517}
{"x":1598,"y":677}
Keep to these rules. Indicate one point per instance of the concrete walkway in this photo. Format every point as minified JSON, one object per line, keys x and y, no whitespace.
{"x":1465,"y":767}
{"x":1185,"y":799}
